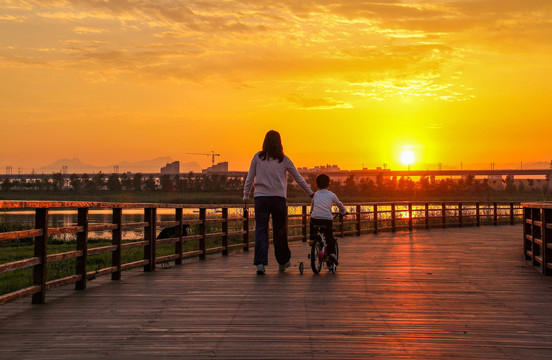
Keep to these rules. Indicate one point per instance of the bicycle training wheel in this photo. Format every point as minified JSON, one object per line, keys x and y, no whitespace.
{"x":316,"y":263}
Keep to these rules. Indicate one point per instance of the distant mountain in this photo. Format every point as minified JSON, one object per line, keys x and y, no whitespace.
{"x":73,"y":166}
{"x":145,"y":166}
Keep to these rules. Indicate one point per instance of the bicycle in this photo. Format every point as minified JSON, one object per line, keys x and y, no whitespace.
{"x":319,"y":257}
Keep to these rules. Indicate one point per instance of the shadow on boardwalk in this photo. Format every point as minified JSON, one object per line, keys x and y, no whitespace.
{"x":453,"y":293}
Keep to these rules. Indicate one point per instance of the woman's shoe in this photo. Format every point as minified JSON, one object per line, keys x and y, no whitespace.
{"x":283,"y":267}
{"x":260,"y":269}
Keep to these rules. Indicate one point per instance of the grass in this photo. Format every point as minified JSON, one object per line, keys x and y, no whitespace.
{"x":126,"y":196}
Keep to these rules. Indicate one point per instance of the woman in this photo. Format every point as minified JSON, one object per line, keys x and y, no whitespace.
{"x":268,"y":170}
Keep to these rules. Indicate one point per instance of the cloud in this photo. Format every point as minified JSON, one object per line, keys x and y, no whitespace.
{"x":312,"y":103}
{"x":248,"y":41}
{"x":89,"y":30}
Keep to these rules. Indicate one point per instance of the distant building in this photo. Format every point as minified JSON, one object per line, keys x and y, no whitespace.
{"x":171,"y":168}
{"x":218,"y":168}
{"x":320,"y":169}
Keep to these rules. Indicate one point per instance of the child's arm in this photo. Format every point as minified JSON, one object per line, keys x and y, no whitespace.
{"x":339,"y":205}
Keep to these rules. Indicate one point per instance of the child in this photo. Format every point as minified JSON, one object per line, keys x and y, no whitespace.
{"x":321,"y":213}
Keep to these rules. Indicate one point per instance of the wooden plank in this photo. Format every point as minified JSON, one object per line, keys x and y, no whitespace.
{"x":225,"y":231}
{"x":116,"y":243}
{"x":134,"y":264}
{"x":63,"y":281}
{"x":82,"y":246}
{"x":213,"y":235}
{"x":20,"y":264}
{"x":235,"y":246}
{"x":65,"y":230}
{"x":192,"y":238}
{"x":214,"y":250}
{"x":166,"y":258}
{"x":102,"y":249}
{"x":167,"y":241}
{"x":133,"y":245}
{"x":64,"y":255}
{"x":103,"y":227}
{"x":134,"y":225}
{"x":192,"y":253}
{"x":22,"y":234}
{"x":31,"y":290}
{"x":203,"y":233}
{"x":91,"y":275}
{"x":40,"y":251}
{"x":178,"y":234}
{"x":167,"y":223}
{"x":192,"y":222}
{"x":150,"y":250}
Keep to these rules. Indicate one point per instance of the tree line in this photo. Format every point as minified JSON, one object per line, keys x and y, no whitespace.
{"x":127,"y":182}
{"x":386,"y":187}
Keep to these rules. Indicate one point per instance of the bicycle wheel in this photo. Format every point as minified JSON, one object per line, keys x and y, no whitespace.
{"x":316,"y":263}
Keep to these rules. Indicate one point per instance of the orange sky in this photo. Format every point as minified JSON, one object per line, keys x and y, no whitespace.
{"x":346,"y":82}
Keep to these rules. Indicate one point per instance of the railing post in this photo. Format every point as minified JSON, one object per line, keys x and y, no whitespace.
{"x":409,"y":216}
{"x":460,"y":220}
{"x":546,"y":250}
{"x":527,"y":230}
{"x":477,"y":215}
{"x":116,"y":239}
{"x":511,"y":213}
{"x":375,"y":218}
{"x":202,"y":232}
{"x":495,"y":214}
{"x":245,"y":229}
{"x":225,"y":231}
{"x":444,"y":214}
{"x":40,"y":251}
{"x":358,"y":220}
{"x":341,"y":227}
{"x":178,"y":245}
{"x":149,"y":237}
{"x":534,"y":218}
{"x":304,"y":223}
{"x":427,"y":215}
{"x":82,"y":245}
{"x":393,"y":227}
{"x":544,"y":241}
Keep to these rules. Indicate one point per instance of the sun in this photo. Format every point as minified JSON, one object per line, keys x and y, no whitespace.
{"x":407,"y":157}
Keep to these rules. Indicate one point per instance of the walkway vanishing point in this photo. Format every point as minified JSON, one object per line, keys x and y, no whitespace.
{"x":463,"y":293}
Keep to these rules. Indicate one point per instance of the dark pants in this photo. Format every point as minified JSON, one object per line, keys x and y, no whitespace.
{"x":264,"y":207}
{"x":326,"y":227}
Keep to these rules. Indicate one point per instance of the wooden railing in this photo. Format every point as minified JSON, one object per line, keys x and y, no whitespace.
{"x":537,"y":235}
{"x":213,"y":229}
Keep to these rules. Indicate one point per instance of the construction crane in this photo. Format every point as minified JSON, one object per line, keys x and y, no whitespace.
{"x":211,"y":154}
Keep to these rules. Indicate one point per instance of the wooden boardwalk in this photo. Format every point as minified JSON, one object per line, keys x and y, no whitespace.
{"x":462,"y":293}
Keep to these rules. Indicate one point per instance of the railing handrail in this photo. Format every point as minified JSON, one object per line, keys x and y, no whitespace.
{"x":33,"y":204}
{"x":383,"y":216}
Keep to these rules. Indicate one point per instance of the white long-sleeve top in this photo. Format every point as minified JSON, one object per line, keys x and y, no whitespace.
{"x":322,"y":203}
{"x":270,"y":177}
